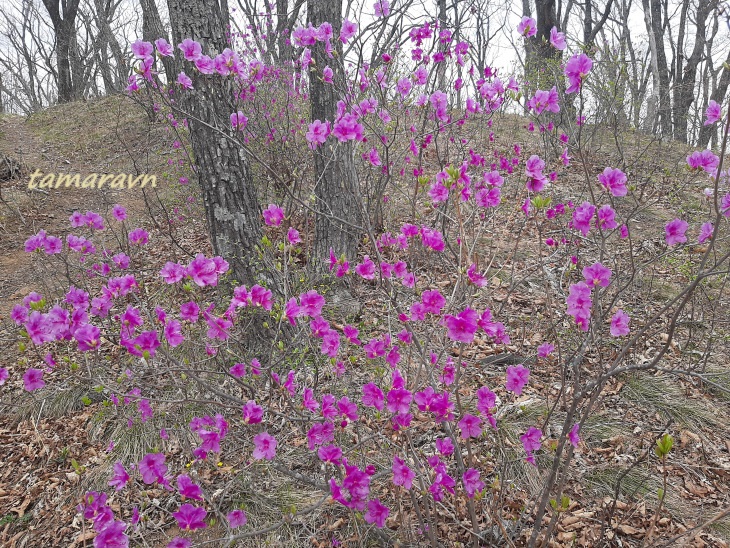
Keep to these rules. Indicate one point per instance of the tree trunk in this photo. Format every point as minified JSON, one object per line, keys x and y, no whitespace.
{"x":64,"y":28}
{"x":684,"y":87}
{"x":336,"y":190}
{"x":231,"y":205}
{"x":665,"y":108}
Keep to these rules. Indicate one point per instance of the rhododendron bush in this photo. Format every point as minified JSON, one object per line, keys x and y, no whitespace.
{"x":411,"y":418}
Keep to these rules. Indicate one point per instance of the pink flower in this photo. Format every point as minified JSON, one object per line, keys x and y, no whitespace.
{"x":403,"y":86}
{"x":576,"y":69}
{"x":706,"y":231}
{"x":557,"y":39}
{"x":119,"y":212}
{"x":402,"y":475}
{"x":470,"y":426}
{"x":253,"y":413}
{"x":674,"y":232}
{"x":191,"y":49}
{"x":236,"y":518}
{"x":112,"y":536}
{"x":614,"y":180}
{"x":179,"y":542}
{"x":320,"y":433}
{"x":347,"y":128}
{"x":139,"y":236}
{"x":273,"y":215}
{"x":527,"y":27}
{"x":190,"y":517}
{"x":579,"y":304}
{"x":366,"y":269}
{"x":330,"y":453}
{"x":3,"y":375}
{"x":377,"y":513}
{"x":713,"y":113}
{"x":164,"y":49}
{"x":705,"y":159}
{"x":348,"y":30}
{"x":573,"y":436}
{"x":120,"y":477}
{"x":382,"y":9}
{"x":444,"y":446}
{"x":372,"y":396}
{"x":311,"y":304}
{"x":461,"y":328}
{"x":141,"y":49}
{"x":265,"y":446}
{"x":317,"y":133}
{"x":582,"y":216}
{"x":620,"y":324}
{"x":292,"y":236}
{"x":188,"y":489}
{"x":597,"y":274}
{"x":172,"y":272}
{"x":545,"y":349}
{"x":33,"y":379}
{"x":153,"y":468}
{"x":189,"y":311}
{"x":517,"y":378}
{"x":327,"y":75}
{"x":238,"y":121}
{"x":531,"y":442}
{"x":606,"y":218}
{"x":184,"y":81}
{"x":472,"y":483}
{"x":399,"y":400}
{"x":544,"y":100}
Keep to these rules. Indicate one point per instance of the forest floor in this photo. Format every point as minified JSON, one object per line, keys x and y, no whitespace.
{"x":42,"y":454}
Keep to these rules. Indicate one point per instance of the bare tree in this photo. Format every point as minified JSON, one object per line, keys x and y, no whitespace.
{"x":63,"y":17}
{"x":659,"y":106}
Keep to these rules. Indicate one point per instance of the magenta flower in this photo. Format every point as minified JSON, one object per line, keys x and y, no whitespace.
{"x":348,"y":30}
{"x":320,"y":433}
{"x":190,"y":518}
{"x":238,"y":121}
{"x":614,"y":180}
{"x":112,"y":536}
{"x":139,"y":236}
{"x":620,"y":324}
{"x":119,"y":212}
{"x":327,"y":74}
{"x":706,"y":231}
{"x":531,"y":442}
{"x":188,"y":489}
{"x":236,"y":518}
{"x":265,"y":446}
{"x":597,"y":274}
{"x":674,"y":232}
{"x":544,"y":100}
{"x":317,"y":133}
{"x":382,"y":8}
{"x":164,"y":49}
{"x":517,"y":378}
{"x":579,"y":304}
{"x":191,"y":49}
{"x":33,"y":379}
{"x":486,"y":400}
{"x":273,"y":215}
{"x":184,"y":81}
{"x":527,"y":27}
{"x":347,"y":128}
{"x":582,"y":217}
{"x":173,"y":333}
{"x":402,"y":475}
{"x":576,"y":69}
{"x":573,"y":436}
{"x":713,"y":113}
{"x":444,"y":446}
{"x":461,"y":328}
{"x":189,"y":311}
{"x":330,"y":453}
{"x":544,"y":350}
{"x":141,"y":49}
{"x":606,"y":218}
{"x":705,"y":159}
{"x":153,"y":468}
{"x":3,"y":375}
{"x":470,"y":426}
{"x":120,"y":477}
{"x":377,"y":513}
{"x":366,"y":269}
{"x":472,"y":483}
{"x":399,"y":400}
{"x":292,"y":236}
{"x":557,"y":39}
{"x":372,"y":396}
{"x":180,"y":542}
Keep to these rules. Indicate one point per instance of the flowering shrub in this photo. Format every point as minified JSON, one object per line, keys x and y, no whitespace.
{"x":396,"y":411}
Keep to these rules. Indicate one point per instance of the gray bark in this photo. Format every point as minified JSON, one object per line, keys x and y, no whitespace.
{"x":63,"y":18}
